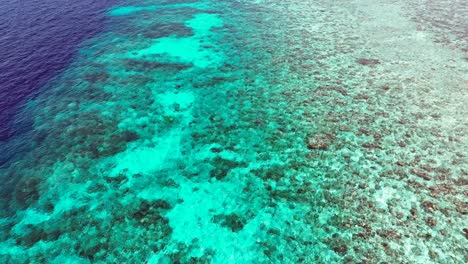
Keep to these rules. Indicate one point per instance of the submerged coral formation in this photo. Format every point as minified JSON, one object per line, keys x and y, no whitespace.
{"x":247,"y":132}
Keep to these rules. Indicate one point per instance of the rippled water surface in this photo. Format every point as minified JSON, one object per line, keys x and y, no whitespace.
{"x":185,"y":131}
{"x":37,"y":40}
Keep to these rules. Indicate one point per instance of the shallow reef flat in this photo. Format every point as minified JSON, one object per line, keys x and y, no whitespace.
{"x":249,"y":132}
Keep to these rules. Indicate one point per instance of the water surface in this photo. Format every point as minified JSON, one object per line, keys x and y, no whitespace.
{"x":248,"y":132}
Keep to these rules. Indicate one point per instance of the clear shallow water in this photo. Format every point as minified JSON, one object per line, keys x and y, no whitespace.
{"x":247,"y":132}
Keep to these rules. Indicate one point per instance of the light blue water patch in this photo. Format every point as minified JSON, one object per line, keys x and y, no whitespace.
{"x":127,"y":10}
{"x":203,"y":23}
{"x":187,"y":50}
{"x":198,"y":49}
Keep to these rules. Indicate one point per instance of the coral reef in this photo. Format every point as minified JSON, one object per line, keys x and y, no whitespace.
{"x":248,"y":132}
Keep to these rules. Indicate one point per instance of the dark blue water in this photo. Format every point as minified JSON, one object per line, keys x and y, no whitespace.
{"x":37,"y":40}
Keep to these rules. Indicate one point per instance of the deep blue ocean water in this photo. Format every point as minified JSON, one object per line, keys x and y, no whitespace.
{"x":37,"y":40}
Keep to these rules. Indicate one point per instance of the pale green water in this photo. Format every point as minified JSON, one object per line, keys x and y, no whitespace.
{"x":249,"y":132}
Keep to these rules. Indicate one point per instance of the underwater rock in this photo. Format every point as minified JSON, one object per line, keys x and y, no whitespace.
{"x":371,"y":146}
{"x":363,"y":131}
{"x":385,"y":87}
{"x":431,"y":222}
{"x":274,"y":173}
{"x":182,"y":254}
{"x":287,"y":195}
{"x":364,"y":61}
{"x":214,"y":81}
{"x":215,"y":118}
{"x":421,"y":174}
{"x":400,"y":163}
{"x":176,"y":107}
{"x":340,"y":90}
{"x":219,"y":173}
{"x":129,"y":136}
{"x":361,"y":97}
{"x":146,"y":65}
{"x":222,"y":167}
{"x":96,"y":187}
{"x":429,"y":207}
{"x":114,"y":144}
{"x":107,"y":149}
{"x":40,"y":135}
{"x":436,"y":191}
{"x":342,"y":249}
{"x":216,"y":150}
{"x":96,"y":77}
{"x":158,"y":30}
{"x":415,"y":184}
{"x":150,"y":212}
{"x":269,"y":251}
{"x":389,"y":234}
{"x":119,"y":179}
{"x":170,"y":183}
{"x":319,"y":142}
{"x":91,"y":248}
{"x":233,"y":221}
{"x":414,"y":212}
{"x":38,"y":234}
{"x":27,"y":190}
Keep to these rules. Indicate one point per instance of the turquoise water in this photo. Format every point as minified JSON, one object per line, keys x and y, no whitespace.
{"x":248,"y":132}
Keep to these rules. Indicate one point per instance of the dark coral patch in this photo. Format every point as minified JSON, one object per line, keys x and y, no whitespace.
{"x":368,"y":62}
{"x":95,"y":77}
{"x":233,"y":221}
{"x":149,"y":213}
{"x":158,"y":30}
{"x":145,"y":66}
{"x":36,"y":234}
{"x":319,"y":142}
{"x":27,"y":190}
{"x":223,"y":166}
